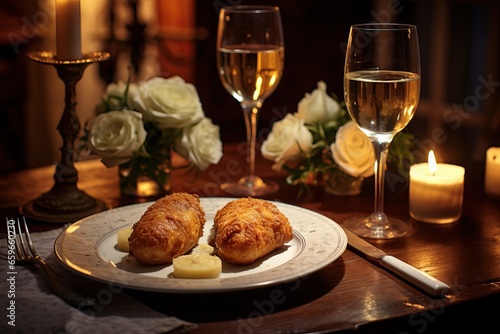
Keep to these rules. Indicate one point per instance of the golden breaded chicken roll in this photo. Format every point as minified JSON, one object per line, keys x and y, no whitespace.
{"x":169,"y":228}
{"x":247,"y":229}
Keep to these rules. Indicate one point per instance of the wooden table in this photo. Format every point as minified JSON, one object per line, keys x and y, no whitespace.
{"x":350,"y":294}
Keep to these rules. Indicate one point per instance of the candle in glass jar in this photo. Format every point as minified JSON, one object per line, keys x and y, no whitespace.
{"x":492,"y":172}
{"x":68,"y":30}
{"x":436,"y":191}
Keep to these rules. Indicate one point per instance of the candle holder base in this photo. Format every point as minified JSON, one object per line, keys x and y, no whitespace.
{"x":62,"y":204}
{"x":65,"y":203}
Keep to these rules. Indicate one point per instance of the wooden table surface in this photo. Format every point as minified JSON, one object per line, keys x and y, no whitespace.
{"x":351,"y":294}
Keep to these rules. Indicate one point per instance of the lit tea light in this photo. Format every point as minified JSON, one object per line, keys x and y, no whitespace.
{"x":492,"y":172}
{"x":436,"y":191}
{"x":146,"y":187}
{"x":68,"y":30}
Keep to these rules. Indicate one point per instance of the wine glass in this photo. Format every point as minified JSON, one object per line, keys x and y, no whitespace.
{"x":381,"y":91}
{"x":250,"y":60}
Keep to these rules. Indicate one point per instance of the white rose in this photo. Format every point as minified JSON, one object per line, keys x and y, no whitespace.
{"x":353,"y":151}
{"x":169,"y":103}
{"x":201,"y":144}
{"x":288,"y":140}
{"x":113,"y":96}
{"x":116,"y":135}
{"x":318,"y":107}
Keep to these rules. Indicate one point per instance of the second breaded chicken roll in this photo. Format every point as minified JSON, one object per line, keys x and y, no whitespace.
{"x":247,"y":229}
{"x":169,"y":228}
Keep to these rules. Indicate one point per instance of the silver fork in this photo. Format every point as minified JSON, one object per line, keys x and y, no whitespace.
{"x":27,"y":254}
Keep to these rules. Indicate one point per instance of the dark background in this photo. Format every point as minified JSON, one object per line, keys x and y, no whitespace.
{"x":315,"y":31}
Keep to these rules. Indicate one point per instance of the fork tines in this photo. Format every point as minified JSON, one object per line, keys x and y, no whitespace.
{"x":25,"y":249}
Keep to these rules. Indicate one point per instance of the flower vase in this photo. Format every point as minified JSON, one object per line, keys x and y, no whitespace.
{"x":144,"y":180}
{"x":340,"y":184}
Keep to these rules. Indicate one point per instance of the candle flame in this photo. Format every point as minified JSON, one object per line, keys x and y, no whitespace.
{"x":432,"y":163}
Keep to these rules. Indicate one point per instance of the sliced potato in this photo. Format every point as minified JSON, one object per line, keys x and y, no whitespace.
{"x":122,"y":239}
{"x":199,"y":264}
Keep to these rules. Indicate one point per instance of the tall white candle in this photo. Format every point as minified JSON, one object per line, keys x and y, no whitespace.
{"x":68,"y":30}
{"x":436,"y":192}
{"x":492,"y":172}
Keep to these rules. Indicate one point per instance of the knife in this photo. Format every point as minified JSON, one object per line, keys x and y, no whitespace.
{"x":417,"y":277}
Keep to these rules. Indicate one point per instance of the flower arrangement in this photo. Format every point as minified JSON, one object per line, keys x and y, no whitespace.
{"x":320,"y":143}
{"x":138,"y":126}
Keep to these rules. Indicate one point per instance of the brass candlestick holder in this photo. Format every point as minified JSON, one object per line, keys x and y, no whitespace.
{"x":64,"y":202}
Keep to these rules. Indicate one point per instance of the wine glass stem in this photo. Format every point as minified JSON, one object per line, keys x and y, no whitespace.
{"x":378,"y":217}
{"x":251,"y":113}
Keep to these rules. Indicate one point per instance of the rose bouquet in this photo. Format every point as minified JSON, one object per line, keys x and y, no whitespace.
{"x":138,"y":126}
{"x":321,"y":144}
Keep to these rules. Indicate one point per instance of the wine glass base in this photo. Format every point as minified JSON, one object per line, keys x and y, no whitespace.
{"x":365,"y":228}
{"x":250,"y":186}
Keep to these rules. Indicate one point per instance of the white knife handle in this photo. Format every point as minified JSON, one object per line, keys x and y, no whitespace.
{"x":419,"y":278}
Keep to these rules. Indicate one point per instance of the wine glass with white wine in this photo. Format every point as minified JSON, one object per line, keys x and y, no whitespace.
{"x":250,"y":61}
{"x":381,"y":91}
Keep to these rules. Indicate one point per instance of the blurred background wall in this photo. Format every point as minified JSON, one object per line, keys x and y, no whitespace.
{"x":458,"y":115}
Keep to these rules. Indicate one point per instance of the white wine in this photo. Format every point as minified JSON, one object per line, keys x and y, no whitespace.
{"x":251,"y":72}
{"x":382,"y":102}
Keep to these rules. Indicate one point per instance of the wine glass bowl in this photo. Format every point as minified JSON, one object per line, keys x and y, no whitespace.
{"x":262,"y":69}
{"x":381,"y":91}
{"x":250,"y":61}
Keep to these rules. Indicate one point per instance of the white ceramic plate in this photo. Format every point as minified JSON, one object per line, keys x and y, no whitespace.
{"x":89,"y":248}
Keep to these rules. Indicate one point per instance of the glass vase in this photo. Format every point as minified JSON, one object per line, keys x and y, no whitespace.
{"x":340,"y":184}
{"x":144,"y":180}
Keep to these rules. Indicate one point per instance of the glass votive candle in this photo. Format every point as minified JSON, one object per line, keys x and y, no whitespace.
{"x":492,"y":172}
{"x":436,"y":197}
